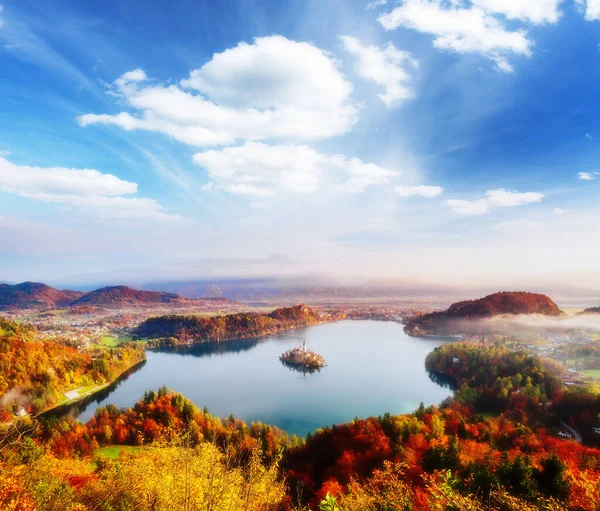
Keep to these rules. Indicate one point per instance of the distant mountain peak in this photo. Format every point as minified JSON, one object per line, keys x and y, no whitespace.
{"x":115,"y":296}
{"x":35,"y":295}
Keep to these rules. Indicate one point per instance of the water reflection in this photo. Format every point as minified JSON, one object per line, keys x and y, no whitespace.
{"x":300,"y":368}
{"x":441,"y":379}
{"x":208,"y":349}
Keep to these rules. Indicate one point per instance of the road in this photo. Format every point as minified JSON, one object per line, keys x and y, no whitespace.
{"x":577,"y":436}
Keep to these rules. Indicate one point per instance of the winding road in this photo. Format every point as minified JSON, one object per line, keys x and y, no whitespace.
{"x":577,"y":436}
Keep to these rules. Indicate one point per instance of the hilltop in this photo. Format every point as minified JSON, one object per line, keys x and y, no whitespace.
{"x":592,"y":310}
{"x":115,"y":296}
{"x":34,"y":295}
{"x":497,"y":304}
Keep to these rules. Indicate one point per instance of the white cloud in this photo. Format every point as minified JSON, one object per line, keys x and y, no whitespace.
{"x":124,"y":208}
{"x":418,"y":191}
{"x":4,"y":154}
{"x":362,"y":175}
{"x":272,"y":89}
{"x":1,"y":21}
{"x":534,"y":11}
{"x":560,"y":211}
{"x":586,"y":176}
{"x":592,"y":9}
{"x":507,"y":198}
{"x":376,"y":3}
{"x":589,"y":137}
{"x":259,"y":170}
{"x":87,"y":190}
{"x":522,"y":224}
{"x":463,"y":29}
{"x":36,"y":180}
{"x":503,"y":65}
{"x":135,"y":75}
{"x":387,"y":66}
{"x":500,"y":198}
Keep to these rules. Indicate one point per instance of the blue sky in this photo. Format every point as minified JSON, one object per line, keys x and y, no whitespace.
{"x":432,"y":139}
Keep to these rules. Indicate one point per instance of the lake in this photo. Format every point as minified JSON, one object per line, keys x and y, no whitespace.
{"x":373,"y":368}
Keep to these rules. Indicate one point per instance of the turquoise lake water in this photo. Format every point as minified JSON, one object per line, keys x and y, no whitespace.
{"x":373,"y":368}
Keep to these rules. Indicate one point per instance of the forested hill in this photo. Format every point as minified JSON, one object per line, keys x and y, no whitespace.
{"x":497,"y":304}
{"x":196,"y":329}
{"x":122,"y":295}
{"x":34,"y":295}
{"x":453,"y":458}
{"x":35,"y":374}
{"x":592,"y":310}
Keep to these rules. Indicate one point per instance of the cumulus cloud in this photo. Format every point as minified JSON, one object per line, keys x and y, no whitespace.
{"x":500,"y":198}
{"x":418,"y":191}
{"x":467,"y":29}
{"x":362,"y":175}
{"x":533,"y":11}
{"x":259,"y":170}
{"x":135,"y":75}
{"x":506,"y":198}
{"x":591,"y":8}
{"x":386,"y":66}
{"x":56,"y":180}
{"x":272,"y":89}
{"x":587,"y":176}
{"x":85,"y":189}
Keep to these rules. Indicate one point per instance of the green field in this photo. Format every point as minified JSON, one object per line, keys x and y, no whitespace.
{"x":84,"y":390}
{"x":109,"y":341}
{"x":114,"y":451}
{"x":595,"y":373}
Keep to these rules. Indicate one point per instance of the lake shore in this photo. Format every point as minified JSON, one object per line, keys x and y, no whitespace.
{"x":88,"y":393}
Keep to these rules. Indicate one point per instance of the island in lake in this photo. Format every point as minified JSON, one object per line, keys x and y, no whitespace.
{"x":302,"y":357}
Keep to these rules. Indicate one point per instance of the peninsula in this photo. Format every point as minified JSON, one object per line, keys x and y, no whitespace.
{"x":187,"y":329}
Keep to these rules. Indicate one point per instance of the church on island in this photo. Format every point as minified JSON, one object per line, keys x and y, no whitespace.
{"x":301,"y":356}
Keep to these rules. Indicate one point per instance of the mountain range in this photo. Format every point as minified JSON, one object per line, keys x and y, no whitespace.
{"x":35,"y":295}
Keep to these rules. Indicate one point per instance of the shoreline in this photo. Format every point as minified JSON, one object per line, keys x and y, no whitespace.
{"x":150,"y":341}
{"x":90,"y":393}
